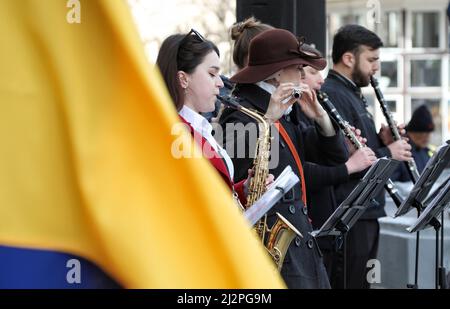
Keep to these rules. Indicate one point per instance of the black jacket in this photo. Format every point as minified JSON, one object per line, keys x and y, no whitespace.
{"x":302,"y":268}
{"x":321,"y":179}
{"x":350,"y":103}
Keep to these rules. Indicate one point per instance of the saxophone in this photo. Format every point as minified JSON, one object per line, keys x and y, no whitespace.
{"x":282,"y":232}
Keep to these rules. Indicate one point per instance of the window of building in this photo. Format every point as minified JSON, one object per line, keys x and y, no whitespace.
{"x":448,"y":121}
{"x":426,"y":73}
{"x":390,"y":29}
{"x":337,"y":20}
{"x":371,"y":101}
{"x":389,"y":73}
{"x":425,"y":29}
{"x":414,"y":62}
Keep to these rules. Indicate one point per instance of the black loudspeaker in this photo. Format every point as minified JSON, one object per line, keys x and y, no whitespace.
{"x":301,"y":17}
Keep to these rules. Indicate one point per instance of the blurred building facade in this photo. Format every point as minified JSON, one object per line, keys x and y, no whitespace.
{"x":156,"y":20}
{"x":414,"y":63}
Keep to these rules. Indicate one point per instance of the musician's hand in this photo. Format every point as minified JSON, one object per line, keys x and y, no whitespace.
{"x":360,"y":160}
{"x":351,"y":148}
{"x":386,"y":133}
{"x":310,"y":105}
{"x":313,"y":109}
{"x":401,"y":129}
{"x":400,"y":150}
{"x":269,"y":180}
{"x":361,"y":139}
{"x":280,"y":101}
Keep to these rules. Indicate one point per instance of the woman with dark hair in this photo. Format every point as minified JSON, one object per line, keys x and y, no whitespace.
{"x":178,"y":59}
{"x":190,"y":67}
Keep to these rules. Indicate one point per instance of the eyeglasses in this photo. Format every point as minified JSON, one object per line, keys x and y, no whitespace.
{"x":196,"y":34}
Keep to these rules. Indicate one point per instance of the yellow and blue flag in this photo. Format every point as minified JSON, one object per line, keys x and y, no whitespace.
{"x":90,"y":193}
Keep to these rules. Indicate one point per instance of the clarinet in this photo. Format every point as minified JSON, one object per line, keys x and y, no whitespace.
{"x":410,"y":165}
{"x":344,"y":126}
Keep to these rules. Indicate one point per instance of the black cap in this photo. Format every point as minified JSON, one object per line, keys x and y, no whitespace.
{"x":421,"y":120}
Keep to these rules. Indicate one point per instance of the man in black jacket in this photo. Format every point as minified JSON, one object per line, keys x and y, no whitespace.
{"x":273,"y":55}
{"x":355,"y":58}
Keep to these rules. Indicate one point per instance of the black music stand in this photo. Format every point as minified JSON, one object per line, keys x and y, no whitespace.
{"x":427,"y":219}
{"x":428,"y":177}
{"x":352,"y":208}
{"x":422,"y":187}
{"x":435,"y":192}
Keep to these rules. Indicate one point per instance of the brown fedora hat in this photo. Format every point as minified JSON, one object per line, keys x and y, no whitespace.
{"x":274,"y":50}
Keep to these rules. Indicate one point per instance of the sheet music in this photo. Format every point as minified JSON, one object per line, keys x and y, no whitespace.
{"x":284,"y":182}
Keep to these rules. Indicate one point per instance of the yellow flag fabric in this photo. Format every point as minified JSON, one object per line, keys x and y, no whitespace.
{"x":85,"y":157}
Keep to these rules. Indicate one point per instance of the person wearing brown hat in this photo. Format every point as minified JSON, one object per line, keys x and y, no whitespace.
{"x":419,"y":130}
{"x":190,"y":66}
{"x":274,"y":70}
{"x":241,"y":33}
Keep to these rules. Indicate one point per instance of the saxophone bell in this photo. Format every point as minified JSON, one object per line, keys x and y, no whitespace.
{"x":281,"y":235}
{"x":282,"y":232}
